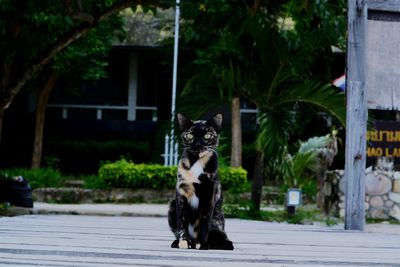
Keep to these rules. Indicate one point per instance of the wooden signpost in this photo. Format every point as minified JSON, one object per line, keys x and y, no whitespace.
{"x":373,"y":73}
{"x":356,"y":114}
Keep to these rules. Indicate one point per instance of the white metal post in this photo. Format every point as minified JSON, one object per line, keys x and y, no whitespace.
{"x":172,"y":150}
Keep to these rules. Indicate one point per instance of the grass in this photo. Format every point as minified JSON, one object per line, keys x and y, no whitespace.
{"x":3,"y":209}
{"x":43,"y":177}
{"x":391,"y":221}
{"x":303,"y":215}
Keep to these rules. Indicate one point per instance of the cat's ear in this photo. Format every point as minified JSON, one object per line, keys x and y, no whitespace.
{"x":216,"y":122}
{"x":183,"y":121}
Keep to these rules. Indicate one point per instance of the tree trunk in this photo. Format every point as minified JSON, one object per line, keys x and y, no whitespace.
{"x":41,"y":105}
{"x":258,"y":180}
{"x":236,"y":149}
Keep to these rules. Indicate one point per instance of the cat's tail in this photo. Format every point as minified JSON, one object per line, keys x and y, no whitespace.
{"x":218,"y":239}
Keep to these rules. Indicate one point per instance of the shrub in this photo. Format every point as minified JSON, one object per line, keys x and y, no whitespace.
{"x":43,"y":177}
{"x":233,"y":179}
{"x":129,"y":175}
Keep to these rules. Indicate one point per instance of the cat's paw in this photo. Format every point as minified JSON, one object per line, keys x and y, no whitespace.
{"x":183,"y":243}
{"x":175,"y":244}
{"x":204,"y":246}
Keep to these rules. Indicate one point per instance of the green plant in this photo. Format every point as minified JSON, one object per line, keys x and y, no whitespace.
{"x":127,"y":174}
{"x":43,"y":177}
{"x":233,"y":179}
{"x":93,"y":182}
{"x":3,"y":209}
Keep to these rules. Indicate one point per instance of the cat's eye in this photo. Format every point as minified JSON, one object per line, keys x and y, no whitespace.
{"x":188,"y":136}
{"x":207,"y":136}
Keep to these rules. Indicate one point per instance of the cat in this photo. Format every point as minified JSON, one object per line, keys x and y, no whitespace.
{"x":195,"y":215}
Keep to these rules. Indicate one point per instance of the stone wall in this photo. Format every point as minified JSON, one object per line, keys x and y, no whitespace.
{"x":382,"y":194}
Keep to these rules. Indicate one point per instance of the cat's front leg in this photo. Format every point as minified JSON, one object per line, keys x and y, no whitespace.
{"x":205,"y":226}
{"x":182,"y":235}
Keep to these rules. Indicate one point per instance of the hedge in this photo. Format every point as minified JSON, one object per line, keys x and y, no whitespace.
{"x":129,"y":175}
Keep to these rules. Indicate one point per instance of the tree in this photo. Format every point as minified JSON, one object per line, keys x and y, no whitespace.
{"x":211,"y":37}
{"x":30,"y":36}
{"x":259,"y":56}
{"x":85,"y":59}
{"x":277,"y":91}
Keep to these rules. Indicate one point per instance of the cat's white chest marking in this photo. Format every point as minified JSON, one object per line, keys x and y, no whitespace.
{"x":187,"y":177}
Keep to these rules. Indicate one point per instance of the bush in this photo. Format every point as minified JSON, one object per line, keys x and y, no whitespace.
{"x":233,"y":179}
{"x":129,"y":175}
{"x":44,"y":177}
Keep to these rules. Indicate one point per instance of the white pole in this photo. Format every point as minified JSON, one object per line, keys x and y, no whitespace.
{"x":174,"y":79}
{"x":175,"y":66}
{"x":176,"y":154}
{"x":166,"y":140}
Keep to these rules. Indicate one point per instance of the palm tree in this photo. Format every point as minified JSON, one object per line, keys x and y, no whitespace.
{"x":276,"y":90}
{"x":249,"y":59}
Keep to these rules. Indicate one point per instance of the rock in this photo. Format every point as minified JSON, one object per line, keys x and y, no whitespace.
{"x":341,"y":213}
{"x":389,"y":204}
{"x":378,"y":214}
{"x":342,"y":185}
{"x":376,"y":202}
{"x":377,"y":185}
{"x":395,"y":212}
{"x":396,"y":175}
{"x":327,"y":189}
{"x":395,"y":197}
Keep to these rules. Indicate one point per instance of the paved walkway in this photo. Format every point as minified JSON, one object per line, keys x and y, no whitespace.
{"x":68,"y":240}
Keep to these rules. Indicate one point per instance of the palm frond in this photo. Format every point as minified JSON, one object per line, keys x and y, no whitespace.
{"x":274,"y":131}
{"x":313,"y":92}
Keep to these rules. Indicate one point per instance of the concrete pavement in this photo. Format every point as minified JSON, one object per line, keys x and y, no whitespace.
{"x":86,"y":241}
{"x":148,"y":210}
{"x":68,"y":240}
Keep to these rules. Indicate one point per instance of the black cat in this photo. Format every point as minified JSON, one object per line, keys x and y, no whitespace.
{"x":195,"y":215}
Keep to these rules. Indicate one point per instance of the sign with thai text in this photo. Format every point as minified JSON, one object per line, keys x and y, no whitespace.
{"x":384,"y":140}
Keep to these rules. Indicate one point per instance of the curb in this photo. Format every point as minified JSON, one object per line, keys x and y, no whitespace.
{"x":133,"y":210}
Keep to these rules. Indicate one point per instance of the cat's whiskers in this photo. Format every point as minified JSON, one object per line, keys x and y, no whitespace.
{"x":211,"y":149}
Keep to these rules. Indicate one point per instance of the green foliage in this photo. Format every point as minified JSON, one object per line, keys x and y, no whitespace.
{"x":127,"y":174}
{"x":3,"y":209}
{"x":43,"y":177}
{"x":93,"y":182}
{"x":307,"y":161}
{"x":233,"y":179}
